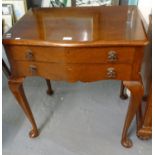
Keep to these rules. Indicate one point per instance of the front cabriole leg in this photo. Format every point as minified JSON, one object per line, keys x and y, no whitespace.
{"x":16,"y":86}
{"x":136,"y":89}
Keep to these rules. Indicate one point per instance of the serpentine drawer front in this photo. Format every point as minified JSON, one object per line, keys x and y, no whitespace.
{"x":73,"y":55}
{"x":78,"y":44}
{"x":74,"y":72}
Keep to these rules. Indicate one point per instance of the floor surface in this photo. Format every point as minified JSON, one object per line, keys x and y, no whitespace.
{"x":79,"y":119}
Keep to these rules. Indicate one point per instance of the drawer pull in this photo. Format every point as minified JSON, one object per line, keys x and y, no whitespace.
{"x":112,"y":56}
{"x":33,"y":69}
{"x":111,"y":73}
{"x":29,"y":55}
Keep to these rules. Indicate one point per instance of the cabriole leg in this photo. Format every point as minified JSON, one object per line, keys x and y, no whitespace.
{"x":137,"y":92}
{"x":16,"y":86}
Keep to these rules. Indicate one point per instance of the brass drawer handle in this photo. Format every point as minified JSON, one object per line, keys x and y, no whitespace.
{"x":112,"y":56}
{"x":111,"y":73}
{"x":33,"y":69}
{"x":29,"y":55}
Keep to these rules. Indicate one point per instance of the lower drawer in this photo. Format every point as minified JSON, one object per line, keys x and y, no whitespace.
{"x":73,"y":72}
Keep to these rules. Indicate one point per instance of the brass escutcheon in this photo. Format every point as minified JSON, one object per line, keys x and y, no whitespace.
{"x":111,"y":73}
{"x":112,"y":56}
{"x":29,"y":55}
{"x":33,"y":69}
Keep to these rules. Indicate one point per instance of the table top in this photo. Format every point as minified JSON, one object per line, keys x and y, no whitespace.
{"x":86,"y":26}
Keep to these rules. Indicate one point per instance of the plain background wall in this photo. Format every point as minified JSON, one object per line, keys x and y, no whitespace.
{"x":145,"y":6}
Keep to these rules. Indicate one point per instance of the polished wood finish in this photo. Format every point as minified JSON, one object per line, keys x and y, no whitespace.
{"x":16,"y":87}
{"x":72,"y":72}
{"x":78,"y":44}
{"x":72,"y":55}
{"x":137,"y":92}
{"x":87,"y":26}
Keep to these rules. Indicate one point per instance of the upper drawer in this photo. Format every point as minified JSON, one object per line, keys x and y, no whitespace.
{"x":72,"y":55}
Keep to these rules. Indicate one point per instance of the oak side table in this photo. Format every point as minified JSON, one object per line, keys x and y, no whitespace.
{"x":78,"y":44}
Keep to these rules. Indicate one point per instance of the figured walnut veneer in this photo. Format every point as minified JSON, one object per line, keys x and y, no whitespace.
{"x":78,"y":44}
